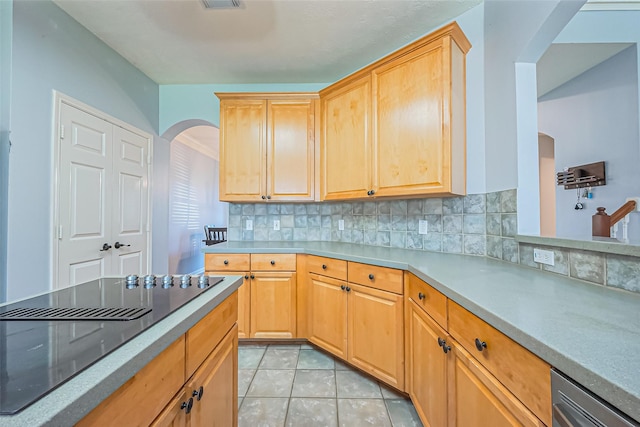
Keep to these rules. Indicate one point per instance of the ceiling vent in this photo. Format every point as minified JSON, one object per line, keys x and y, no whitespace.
{"x":221,"y":4}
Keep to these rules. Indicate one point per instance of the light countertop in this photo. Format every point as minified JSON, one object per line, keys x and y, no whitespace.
{"x":589,"y":332}
{"x":71,"y":401}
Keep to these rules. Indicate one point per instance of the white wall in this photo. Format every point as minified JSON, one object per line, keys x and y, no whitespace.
{"x":6,"y":29}
{"x":51,"y":51}
{"x":592,"y":118}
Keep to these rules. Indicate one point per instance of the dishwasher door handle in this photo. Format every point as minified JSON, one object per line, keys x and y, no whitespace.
{"x":561,"y":414}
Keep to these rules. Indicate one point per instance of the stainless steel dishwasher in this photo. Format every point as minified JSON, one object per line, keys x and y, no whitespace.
{"x":574,"y":406}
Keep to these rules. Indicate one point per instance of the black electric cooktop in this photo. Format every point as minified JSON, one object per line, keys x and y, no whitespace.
{"x":77,"y":326}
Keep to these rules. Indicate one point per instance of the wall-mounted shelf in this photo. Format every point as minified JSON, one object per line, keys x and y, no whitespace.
{"x":590,"y":175}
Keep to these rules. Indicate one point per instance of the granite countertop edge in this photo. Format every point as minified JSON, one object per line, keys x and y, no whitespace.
{"x":594,"y":371}
{"x":72,"y":400}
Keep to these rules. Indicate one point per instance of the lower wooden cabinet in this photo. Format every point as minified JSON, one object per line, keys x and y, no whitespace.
{"x":361,"y":325}
{"x":267,"y":306}
{"x":209,"y":350}
{"x":426,"y":380}
{"x":273,"y":305}
{"x":478,"y":399}
{"x":327,"y":308}
{"x":375,"y":341}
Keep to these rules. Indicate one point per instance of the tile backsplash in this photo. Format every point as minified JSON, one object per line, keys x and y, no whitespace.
{"x":454,"y":224}
{"x":476,"y":224}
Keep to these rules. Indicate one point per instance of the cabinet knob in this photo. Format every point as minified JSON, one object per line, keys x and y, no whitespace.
{"x":348,"y":289}
{"x":253,"y":276}
{"x":264,"y":197}
{"x":480,"y":345}
{"x":198,"y":393}
{"x":371,"y":192}
{"x":421,"y":295}
{"x":187,"y":405}
{"x":269,"y":197}
{"x":446,"y":348}
{"x":343,"y":287}
{"x":371,"y":276}
{"x":225,"y":262}
{"x":273,"y":262}
{"x":441,"y":342}
{"x":324,"y":267}
{"x":246,"y":277}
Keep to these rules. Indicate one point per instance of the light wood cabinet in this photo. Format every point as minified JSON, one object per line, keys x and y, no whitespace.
{"x":426,"y":379}
{"x":346,"y":140}
{"x":208,"y":350}
{"x":360,"y":324}
{"x":401,"y":120}
{"x":478,"y":399}
{"x":267,"y":298}
{"x":261,"y":137}
{"x":497,"y":383}
{"x":376,"y":333}
{"x":524,"y":374}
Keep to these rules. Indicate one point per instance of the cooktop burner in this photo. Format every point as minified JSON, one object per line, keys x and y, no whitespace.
{"x":37,"y":356}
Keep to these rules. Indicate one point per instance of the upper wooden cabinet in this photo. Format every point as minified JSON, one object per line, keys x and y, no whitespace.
{"x":398,"y":126}
{"x":262,"y":137}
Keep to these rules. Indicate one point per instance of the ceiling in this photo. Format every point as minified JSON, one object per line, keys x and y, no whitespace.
{"x":564,"y":61}
{"x":264,"y":41}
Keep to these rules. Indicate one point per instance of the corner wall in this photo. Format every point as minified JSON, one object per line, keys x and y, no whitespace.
{"x":51,"y":51}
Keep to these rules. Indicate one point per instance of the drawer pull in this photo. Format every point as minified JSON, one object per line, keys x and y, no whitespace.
{"x":324,"y":266}
{"x":225,"y":262}
{"x":198,"y":393}
{"x":442,"y":343}
{"x":371,"y":276}
{"x":343,"y":287}
{"x":421,"y":296}
{"x":187,"y":405}
{"x":480,"y":345}
{"x":273,"y":262}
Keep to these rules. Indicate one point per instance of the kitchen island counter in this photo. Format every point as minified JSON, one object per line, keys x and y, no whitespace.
{"x":72,"y":400}
{"x":589,"y":332}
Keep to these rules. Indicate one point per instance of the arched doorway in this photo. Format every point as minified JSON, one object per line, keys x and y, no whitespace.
{"x":193,"y":194}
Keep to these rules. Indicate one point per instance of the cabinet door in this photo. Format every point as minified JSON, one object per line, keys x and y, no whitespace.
{"x":410,"y":135}
{"x":327,"y":307}
{"x":175,"y":415}
{"x":426,"y":366}
{"x":273,"y":305}
{"x":376,"y":333}
{"x":290,"y":149}
{"x":478,"y":399}
{"x":243,"y":157}
{"x":346,"y":145}
{"x":214,"y":386}
{"x":244,"y":300}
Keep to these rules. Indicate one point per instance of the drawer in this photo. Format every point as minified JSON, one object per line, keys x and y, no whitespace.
{"x":273,"y":262}
{"x":157,"y":381}
{"x":430,"y":300}
{"x":227,"y":262}
{"x":527,"y":376}
{"x":205,"y":335}
{"x":330,"y":267}
{"x":383,"y":278}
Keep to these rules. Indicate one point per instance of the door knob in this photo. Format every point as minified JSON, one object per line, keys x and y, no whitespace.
{"x":105,"y":247}
{"x":119,"y":245}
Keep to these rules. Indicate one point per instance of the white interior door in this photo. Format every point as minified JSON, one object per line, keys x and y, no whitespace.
{"x":102,"y":199}
{"x":84,"y":203}
{"x":129,"y":232}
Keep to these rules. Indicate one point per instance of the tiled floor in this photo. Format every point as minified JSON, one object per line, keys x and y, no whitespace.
{"x":297,"y":385}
